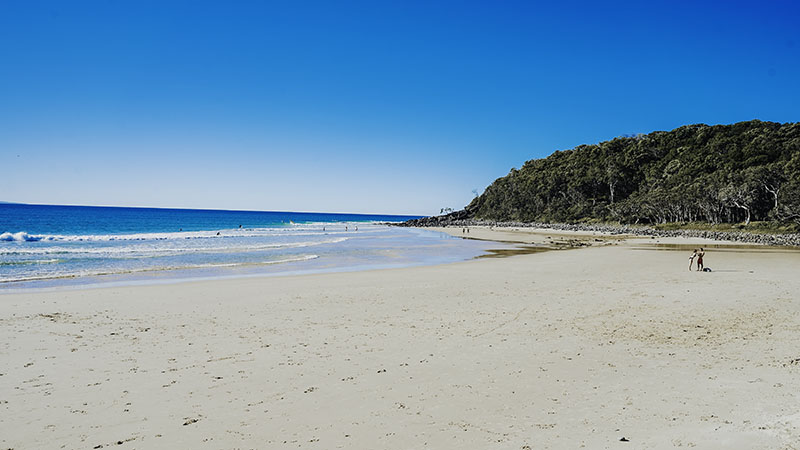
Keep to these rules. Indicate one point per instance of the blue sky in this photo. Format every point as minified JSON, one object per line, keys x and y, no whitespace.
{"x":374,"y":107}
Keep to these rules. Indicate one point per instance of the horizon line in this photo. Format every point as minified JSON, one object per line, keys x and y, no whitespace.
{"x":210,"y":209}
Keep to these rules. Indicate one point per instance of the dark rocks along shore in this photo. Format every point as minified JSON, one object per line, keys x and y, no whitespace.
{"x":461,"y":219}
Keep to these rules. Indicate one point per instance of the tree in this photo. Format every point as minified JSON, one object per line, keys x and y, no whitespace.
{"x":771,"y":177}
{"x":723,"y":173}
{"x":739,"y":195}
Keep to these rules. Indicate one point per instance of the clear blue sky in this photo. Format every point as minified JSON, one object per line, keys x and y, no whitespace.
{"x":374,"y":106}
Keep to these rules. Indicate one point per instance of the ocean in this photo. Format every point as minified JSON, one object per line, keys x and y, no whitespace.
{"x":49,"y":246}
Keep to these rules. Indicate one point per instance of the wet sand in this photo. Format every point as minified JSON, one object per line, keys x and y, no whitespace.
{"x":550,"y":349}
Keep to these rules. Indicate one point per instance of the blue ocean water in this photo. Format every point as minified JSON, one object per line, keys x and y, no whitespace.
{"x":51,"y":246}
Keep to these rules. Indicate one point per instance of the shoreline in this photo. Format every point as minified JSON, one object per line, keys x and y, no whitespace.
{"x":294,"y":251}
{"x":558,"y":349}
{"x":557,"y":239}
{"x":443,"y":222}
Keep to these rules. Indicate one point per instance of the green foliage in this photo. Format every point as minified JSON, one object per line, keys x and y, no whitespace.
{"x":748,"y":171}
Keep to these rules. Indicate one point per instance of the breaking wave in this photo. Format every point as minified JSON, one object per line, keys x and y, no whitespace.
{"x":19,"y":237}
{"x":23,"y":236}
{"x":157,"y":250}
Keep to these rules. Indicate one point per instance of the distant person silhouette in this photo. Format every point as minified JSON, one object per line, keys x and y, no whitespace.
{"x":700,"y":256}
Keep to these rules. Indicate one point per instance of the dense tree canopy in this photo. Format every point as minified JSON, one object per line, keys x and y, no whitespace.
{"x":723,"y":173}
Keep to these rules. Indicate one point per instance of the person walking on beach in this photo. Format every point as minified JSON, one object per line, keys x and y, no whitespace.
{"x":700,"y":255}
{"x":691,"y":259}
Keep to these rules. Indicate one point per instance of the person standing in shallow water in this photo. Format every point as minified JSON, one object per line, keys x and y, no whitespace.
{"x":700,"y":255}
{"x":691,"y":259}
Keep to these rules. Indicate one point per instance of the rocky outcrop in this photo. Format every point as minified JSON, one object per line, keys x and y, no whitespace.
{"x":461,"y":219}
{"x":454,"y":218}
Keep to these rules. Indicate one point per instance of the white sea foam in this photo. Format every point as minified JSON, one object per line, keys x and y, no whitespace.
{"x":20,"y":236}
{"x":155,"y":248}
{"x":23,"y":236}
{"x":91,"y":273}
{"x":30,"y":262}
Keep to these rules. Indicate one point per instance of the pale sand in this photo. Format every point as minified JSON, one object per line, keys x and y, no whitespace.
{"x":562,"y":349}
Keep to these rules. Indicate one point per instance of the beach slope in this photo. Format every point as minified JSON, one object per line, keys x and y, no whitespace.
{"x":611,"y":346}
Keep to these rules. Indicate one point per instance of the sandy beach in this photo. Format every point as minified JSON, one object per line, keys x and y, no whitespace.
{"x":616,"y":345}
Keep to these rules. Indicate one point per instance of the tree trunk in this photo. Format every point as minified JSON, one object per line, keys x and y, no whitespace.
{"x":611,"y":187}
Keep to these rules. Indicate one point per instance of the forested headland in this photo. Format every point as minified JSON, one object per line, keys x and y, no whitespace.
{"x":748,"y":171}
